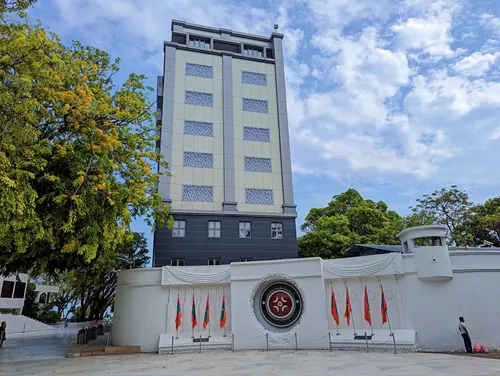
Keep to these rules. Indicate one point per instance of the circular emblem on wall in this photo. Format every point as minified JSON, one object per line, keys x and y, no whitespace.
{"x":281,"y":304}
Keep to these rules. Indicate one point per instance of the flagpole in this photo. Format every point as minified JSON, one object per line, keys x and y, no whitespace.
{"x":223,"y":299}
{"x":209,"y":318}
{"x":337,"y":325}
{"x":192,"y":326}
{"x":371,"y":325}
{"x":201,"y":306}
{"x":176,"y":327}
{"x":350,"y":309}
{"x":387,"y":313}
{"x":353,"y":325}
{"x":184,"y":307}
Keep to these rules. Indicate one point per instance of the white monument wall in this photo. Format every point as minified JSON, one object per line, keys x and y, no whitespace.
{"x":145,"y":308}
{"x":423,"y":305}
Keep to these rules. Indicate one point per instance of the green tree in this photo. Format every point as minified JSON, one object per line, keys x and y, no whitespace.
{"x":65,"y":299}
{"x":31,"y":307}
{"x":94,"y":285}
{"x":347,"y":220}
{"x":483,"y":223}
{"x":450,"y":207}
{"x":77,"y":152}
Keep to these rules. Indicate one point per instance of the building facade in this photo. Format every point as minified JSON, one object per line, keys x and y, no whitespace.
{"x":224,"y":134}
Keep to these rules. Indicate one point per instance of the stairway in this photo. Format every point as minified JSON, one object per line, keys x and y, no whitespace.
{"x":20,"y":324}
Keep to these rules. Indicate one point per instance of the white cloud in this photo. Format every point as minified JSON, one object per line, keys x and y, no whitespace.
{"x":375,"y":89}
{"x":430,"y":31}
{"x":476,"y":64}
{"x":336,"y":13}
{"x":430,"y":35}
{"x":490,"y":22}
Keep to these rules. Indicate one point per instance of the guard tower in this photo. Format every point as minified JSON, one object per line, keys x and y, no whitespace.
{"x":428,"y":245}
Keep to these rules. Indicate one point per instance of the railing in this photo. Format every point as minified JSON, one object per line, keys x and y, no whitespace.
{"x":389,"y":345}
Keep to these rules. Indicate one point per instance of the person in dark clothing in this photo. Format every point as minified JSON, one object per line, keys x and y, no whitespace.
{"x":3,"y":328}
{"x":465,"y":335}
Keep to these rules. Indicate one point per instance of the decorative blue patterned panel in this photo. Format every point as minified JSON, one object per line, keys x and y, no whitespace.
{"x":258,"y":196}
{"x":253,"y":78}
{"x":255,"y":164}
{"x":200,"y":193}
{"x":200,"y":99}
{"x":198,"y":128}
{"x":198,"y":70}
{"x":198,"y":160}
{"x":256,"y":134}
{"x":255,"y":105}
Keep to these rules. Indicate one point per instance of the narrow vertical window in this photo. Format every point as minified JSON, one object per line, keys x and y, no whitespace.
{"x":214,"y":229}
{"x":245,"y":230}
{"x":276,"y":230}
{"x":179,"y":229}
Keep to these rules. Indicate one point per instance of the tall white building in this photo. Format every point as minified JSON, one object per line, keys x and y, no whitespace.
{"x":224,"y":133}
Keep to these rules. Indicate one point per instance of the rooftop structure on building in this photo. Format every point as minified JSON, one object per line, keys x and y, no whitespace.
{"x":224,"y":133}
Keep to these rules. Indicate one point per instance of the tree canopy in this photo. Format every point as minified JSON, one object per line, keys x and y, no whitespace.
{"x":347,"y":220}
{"x":78,"y":157}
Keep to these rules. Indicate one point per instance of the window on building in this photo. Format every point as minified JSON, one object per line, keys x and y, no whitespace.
{"x":214,"y":261}
{"x":245,"y":230}
{"x":19,"y":290}
{"x":245,"y":260}
{"x":7,"y":289}
{"x":199,"y":42}
{"x":227,"y":46}
{"x":43,"y":298}
{"x":179,"y":38}
{"x":177,"y":262}
{"x":253,"y":51}
{"x":276,"y":230}
{"x":179,"y":229}
{"x":214,"y":229}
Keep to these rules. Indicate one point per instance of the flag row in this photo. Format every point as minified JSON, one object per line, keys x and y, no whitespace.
{"x":348,"y":308}
{"x":206,"y":317}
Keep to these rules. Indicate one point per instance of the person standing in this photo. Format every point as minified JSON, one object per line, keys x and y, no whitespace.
{"x":465,"y":334}
{"x":3,"y":336}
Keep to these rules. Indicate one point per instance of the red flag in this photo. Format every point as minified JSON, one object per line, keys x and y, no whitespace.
{"x":333,"y":308}
{"x":178,"y":317}
{"x":368,"y":316}
{"x":206,"y":318}
{"x":223,"y":313}
{"x":383,"y":307}
{"x":194,"y":321}
{"x":347,"y":312}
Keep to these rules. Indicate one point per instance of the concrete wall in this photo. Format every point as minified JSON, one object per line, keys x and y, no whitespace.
{"x":433,"y":308}
{"x":144,"y":308}
{"x":196,"y":248}
{"x":429,"y":307}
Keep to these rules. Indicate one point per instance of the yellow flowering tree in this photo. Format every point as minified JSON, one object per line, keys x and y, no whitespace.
{"x":78,"y":158}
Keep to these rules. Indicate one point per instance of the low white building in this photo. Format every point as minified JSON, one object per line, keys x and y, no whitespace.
{"x":12,"y":296}
{"x":13,"y":292}
{"x":287,"y":304}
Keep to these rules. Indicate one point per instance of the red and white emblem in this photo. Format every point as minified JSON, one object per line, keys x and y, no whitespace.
{"x":280,"y":304}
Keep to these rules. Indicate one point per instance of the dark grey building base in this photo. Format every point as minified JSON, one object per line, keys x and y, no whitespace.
{"x":196,"y":248}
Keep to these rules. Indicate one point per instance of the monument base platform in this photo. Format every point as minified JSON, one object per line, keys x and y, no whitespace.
{"x":404,"y":340}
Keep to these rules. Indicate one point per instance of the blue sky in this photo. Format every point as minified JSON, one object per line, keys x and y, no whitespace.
{"x":392,"y":98}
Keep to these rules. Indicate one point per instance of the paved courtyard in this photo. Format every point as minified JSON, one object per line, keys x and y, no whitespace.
{"x":275,"y":363}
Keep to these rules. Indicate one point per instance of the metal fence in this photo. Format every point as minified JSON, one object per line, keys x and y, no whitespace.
{"x":389,"y":346}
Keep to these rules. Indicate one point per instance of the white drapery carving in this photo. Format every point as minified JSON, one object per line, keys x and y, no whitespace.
{"x":196,"y":275}
{"x":361,"y":269}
